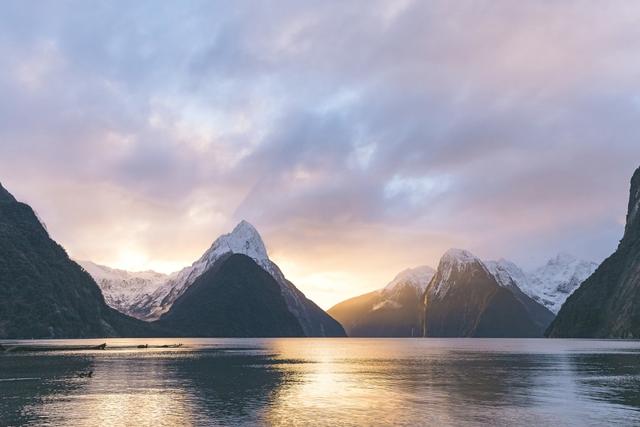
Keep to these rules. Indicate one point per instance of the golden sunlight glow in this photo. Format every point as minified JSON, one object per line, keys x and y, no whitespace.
{"x":132,"y":260}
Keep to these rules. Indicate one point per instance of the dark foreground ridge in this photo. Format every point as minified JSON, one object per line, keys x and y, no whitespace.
{"x":43,"y":294}
{"x":607,"y":304}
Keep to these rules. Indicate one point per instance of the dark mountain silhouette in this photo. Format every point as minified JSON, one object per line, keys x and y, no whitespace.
{"x":43,"y":294}
{"x":607,"y":304}
{"x":234,"y":298}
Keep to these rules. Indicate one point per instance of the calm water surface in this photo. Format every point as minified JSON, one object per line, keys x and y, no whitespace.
{"x":325,"y":382}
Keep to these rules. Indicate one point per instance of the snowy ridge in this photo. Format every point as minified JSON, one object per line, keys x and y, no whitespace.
{"x":551,"y":284}
{"x":121,"y":289}
{"x":506,"y":273}
{"x":453,"y":261}
{"x":418,"y":278}
{"x":413,"y":279}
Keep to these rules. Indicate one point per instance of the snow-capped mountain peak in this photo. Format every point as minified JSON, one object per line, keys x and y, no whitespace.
{"x":551,"y":284}
{"x":455,"y":256}
{"x":456,"y":260}
{"x":244,"y":239}
{"x":418,"y":278}
{"x":453,"y":261}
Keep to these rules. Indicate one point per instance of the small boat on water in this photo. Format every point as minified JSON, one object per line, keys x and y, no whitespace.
{"x":22,"y":348}
{"x":43,"y":348}
{"x":171,"y":346}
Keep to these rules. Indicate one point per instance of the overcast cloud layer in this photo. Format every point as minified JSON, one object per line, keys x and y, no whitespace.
{"x":359,"y":137}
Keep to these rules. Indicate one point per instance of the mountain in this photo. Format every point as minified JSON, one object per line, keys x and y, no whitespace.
{"x":552,"y":283}
{"x":43,"y":293}
{"x":510,"y":276}
{"x":549,"y":285}
{"x":394,"y":311}
{"x":123,"y":289}
{"x":464,"y":299}
{"x":150,"y":304}
{"x":244,"y":239}
{"x":607,"y":304}
{"x":235,"y":297}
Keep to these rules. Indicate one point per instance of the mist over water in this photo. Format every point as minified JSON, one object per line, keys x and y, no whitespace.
{"x":326,"y":382}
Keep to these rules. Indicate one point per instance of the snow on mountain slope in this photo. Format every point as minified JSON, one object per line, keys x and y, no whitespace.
{"x":413,"y":280}
{"x":418,"y":278}
{"x":121,"y":289}
{"x":453,"y":261}
{"x":551,"y":284}
{"x":507,"y":274}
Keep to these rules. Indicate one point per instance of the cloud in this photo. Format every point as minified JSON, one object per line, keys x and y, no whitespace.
{"x":346,"y":134}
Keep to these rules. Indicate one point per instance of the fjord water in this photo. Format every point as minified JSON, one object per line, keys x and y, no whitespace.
{"x":325,"y":382}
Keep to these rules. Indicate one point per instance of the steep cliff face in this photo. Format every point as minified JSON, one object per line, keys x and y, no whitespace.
{"x":465,"y":300}
{"x":607,"y":304}
{"x":43,"y":294}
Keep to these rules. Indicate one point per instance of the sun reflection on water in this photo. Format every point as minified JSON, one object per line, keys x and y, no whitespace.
{"x":325,"y":382}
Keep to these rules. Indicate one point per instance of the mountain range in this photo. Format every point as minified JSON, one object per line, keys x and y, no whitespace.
{"x":550,"y":284}
{"x":235,"y":290}
{"x":397,"y":309}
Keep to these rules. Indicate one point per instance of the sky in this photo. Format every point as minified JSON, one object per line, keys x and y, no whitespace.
{"x":359,"y":137}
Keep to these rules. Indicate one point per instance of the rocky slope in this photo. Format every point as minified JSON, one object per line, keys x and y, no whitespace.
{"x":465,"y":300}
{"x":394,"y":311}
{"x":44,"y":294}
{"x":233,"y":298}
{"x":607,"y":304}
